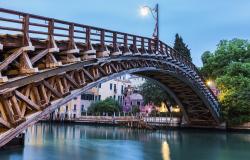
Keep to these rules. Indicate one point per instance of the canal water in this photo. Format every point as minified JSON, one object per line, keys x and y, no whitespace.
{"x":80,"y":142}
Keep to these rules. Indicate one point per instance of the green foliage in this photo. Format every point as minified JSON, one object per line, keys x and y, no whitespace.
{"x":151,"y":92}
{"x":229,"y":65}
{"x":181,"y":47}
{"x":227,"y":52}
{"x":108,"y":105}
{"x":135,"y":109}
{"x":235,"y":93}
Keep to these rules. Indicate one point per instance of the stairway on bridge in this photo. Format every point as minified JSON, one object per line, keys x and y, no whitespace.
{"x":46,"y":62}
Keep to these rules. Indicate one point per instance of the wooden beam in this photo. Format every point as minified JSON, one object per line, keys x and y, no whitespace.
{"x":11,"y":58}
{"x":27,"y":100}
{"x":2,"y":112}
{"x":26,"y":92}
{"x":53,"y":90}
{"x":43,"y":93}
{"x":26,"y":65}
{"x":37,"y":95}
{"x":16,"y":107}
{"x":102,"y":70}
{"x":39,"y":55}
{"x":8,"y":110}
{"x":71,"y":80}
{"x":5,"y":123}
{"x":113,"y":67}
{"x":88,"y":74}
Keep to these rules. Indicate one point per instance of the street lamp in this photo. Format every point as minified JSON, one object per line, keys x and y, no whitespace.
{"x":145,"y":10}
{"x":209,"y":83}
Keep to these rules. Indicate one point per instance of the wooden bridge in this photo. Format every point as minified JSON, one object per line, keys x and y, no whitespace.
{"x":45,"y":62}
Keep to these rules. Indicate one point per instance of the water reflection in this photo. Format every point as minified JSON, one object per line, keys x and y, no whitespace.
{"x":165,"y":151}
{"x":64,"y":141}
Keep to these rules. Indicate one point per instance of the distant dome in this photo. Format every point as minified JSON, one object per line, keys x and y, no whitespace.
{"x":136,"y":96}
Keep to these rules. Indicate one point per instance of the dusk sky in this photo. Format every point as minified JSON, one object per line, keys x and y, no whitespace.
{"x":201,"y":23}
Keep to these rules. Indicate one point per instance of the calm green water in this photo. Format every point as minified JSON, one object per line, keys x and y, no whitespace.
{"x":73,"y":142}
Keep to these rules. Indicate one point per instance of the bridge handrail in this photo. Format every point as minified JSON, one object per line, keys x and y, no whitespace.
{"x":94,"y":34}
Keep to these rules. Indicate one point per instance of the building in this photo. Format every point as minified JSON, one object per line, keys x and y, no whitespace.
{"x":132,"y":100}
{"x":79,"y":105}
{"x":113,"y":89}
{"x":76,"y":107}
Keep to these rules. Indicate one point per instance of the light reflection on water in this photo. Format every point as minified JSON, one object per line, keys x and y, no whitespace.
{"x":72,"y":142}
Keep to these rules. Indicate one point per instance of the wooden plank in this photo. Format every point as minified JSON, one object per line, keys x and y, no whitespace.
{"x":16,"y":107}
{"x":82,"y":77}
{"x":59,"y":85}
{"x":37,"y":95}
{"x":53,"y":90}
{"x":11,"y":58}
{"x":8,"y":110}
{"x":78,"y":78}
{"x":44,"y":93}
{"x":65,"y":84}
{"x":39,"y":55}
{"x":88,"y":74}
{"x":5,"y":123}
{"x":72,"y":81}
{"x":27,"y":100}
{"x":113,"y":67}
{"x":2,"y":111}
{"x":26,"y":92}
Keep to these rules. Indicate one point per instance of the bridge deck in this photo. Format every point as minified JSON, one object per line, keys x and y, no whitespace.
{"x":45,"y":62}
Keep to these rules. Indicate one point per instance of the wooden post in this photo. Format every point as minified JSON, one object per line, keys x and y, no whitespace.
{"x":102,"y":40}
{"x":26,"y":39}
{"x":126,"y":48}
{"x":115,"y":42}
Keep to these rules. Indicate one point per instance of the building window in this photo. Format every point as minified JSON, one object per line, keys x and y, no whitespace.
{"x":115,"y":87}
{"x":82,"y":108}
{"x":114,"y":97}
{"x":99,"y":97}
{"x":138,"y":104}
{"x":89,"y":97}
{"x":75,"y":107}
{"x":100,"y":85}
{"x":111,"y":86}
{"x":67,"y":108}
{"x":122,"y":90}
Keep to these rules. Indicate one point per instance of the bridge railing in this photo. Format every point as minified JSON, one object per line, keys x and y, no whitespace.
{"x":44,"y":28}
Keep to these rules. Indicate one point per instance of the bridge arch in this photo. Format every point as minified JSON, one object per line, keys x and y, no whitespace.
{"x":39,"y":75}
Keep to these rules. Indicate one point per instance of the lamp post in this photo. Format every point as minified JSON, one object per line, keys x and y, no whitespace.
{"x":155,"y":13}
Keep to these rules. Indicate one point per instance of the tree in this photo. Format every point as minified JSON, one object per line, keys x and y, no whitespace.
{"x":235,"y":93}
{"x":229,"y":65}
{"x":151,"y":92}
{"x":135,"y":109}
{"x":181,"y":47}
{"x":227,"y":52}
{"x":108,"y":105}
